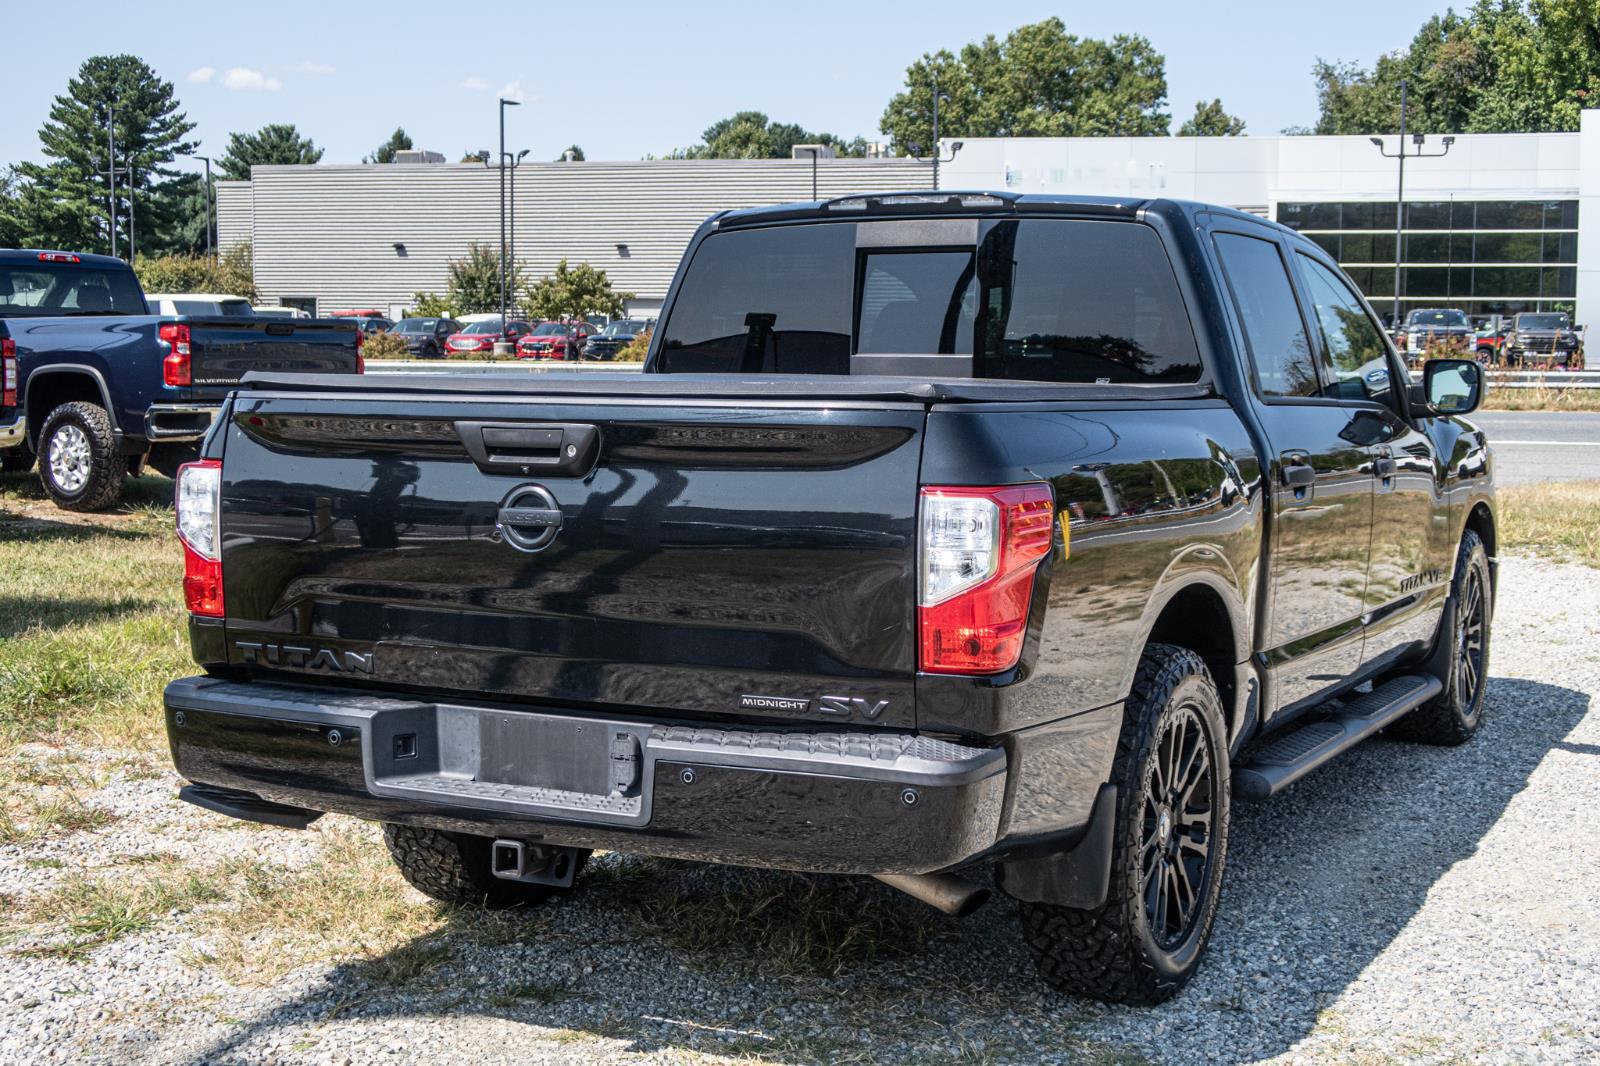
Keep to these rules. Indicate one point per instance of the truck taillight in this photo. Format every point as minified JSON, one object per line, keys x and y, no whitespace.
{"x":980,"y":551}
{"x":199,"y":506}
{"x":361,"y":360}
{"x":8,"y":373}
{"x":175,"y":368}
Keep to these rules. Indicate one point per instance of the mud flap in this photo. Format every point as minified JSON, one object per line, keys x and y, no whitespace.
{"x":1079,"y":877}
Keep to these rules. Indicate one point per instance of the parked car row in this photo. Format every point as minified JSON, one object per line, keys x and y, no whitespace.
{"x":1534,"y":338}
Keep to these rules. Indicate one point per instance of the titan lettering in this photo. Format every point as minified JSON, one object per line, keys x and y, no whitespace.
{"x":296,"y":657}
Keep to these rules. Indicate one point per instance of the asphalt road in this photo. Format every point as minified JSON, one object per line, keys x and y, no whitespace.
{"x":1532,"y":446}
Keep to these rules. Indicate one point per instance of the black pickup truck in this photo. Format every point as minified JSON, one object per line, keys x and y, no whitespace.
{"x":100,"y":388}
{"x":940,"y":531}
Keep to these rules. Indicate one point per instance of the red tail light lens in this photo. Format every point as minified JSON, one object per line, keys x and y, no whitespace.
{"x":980,"y":551}
{"x":175,"y":368}
{"x":199,"y":506}
{"x":8,"y":373}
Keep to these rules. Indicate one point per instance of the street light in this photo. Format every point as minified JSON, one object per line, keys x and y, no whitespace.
{"x":515,"y":163}
{"x":209,"y":215}
{"x":937,"y":157}
{"x":504,"y":103}
{"x":1400,"y":191}
{"x":815,"y":150}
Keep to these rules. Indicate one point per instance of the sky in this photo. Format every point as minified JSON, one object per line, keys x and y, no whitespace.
{"x":626,"y":80}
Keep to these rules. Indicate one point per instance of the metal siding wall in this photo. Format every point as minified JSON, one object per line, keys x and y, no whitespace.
{"x":330,"y":231}
{"x":234,"y":213}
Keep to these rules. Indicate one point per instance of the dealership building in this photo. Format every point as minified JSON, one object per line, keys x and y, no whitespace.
{"x":1498,"y":223}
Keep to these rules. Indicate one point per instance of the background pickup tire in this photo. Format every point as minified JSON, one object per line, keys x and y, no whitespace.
{"x":453,"y":868}
{"x":1170,"y":843}
{"x":78,"y":461}
{"x":1453,"y":716}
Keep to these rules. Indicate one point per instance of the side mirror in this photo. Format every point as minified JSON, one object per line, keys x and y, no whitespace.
{"x":1452,"y":386}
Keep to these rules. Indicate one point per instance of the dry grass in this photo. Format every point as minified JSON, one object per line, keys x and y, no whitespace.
{"x":1560,"y":520}
{"x":92,"y":912}
{"x":1542,"y":398}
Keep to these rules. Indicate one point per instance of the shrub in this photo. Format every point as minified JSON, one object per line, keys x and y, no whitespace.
{"x":636,"y":349}
{"x":385,"y":346}
{"x":232,"y":274}
{"x":431,"y":305}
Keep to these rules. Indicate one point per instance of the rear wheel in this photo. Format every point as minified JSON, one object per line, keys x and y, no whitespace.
{"x":78,"y":461}
{"x":454,"y":868}
{"x":1453,"y":716}
{"x":1171,"y":773}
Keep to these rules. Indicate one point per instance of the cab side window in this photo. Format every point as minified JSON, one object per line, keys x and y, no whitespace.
{"x":1355,"y":360}
{"x":1271,"y":317}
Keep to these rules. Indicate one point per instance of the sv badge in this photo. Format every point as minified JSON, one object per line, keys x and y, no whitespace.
{"x":852,"y":706}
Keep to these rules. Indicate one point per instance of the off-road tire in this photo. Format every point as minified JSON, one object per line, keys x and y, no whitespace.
{"x":1109,"y":952}
{"x":102,"y":484}
{"x":17,"y":460}
{"x":1454,"y":715}
{"x":453,"y":868}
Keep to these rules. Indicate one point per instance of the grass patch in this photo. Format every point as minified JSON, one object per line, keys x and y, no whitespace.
{"x":94,"y":912}
{"x":91,"y":619}
{"x":1560,"y":520}
{"x":780,"y":924}
{"x":1541,"y":398}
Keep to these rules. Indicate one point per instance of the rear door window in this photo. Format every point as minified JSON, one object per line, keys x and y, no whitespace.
{"x":1036,"y":299}
{"x":1270,"y":316}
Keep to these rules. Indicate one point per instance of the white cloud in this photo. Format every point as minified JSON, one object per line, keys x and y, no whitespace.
{"x":243,"y":78}
{"x":477,"y":85}
{"x":201,"y":75}
{"x":308,"y":67}
{"x":513,"y":91}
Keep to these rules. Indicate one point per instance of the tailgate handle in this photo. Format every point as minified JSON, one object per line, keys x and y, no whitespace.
{"x":280,"y":329}
{"x":560,"y":449}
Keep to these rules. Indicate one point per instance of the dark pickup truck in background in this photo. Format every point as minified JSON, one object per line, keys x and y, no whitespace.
{"x":939,"y":531}
{"x":99,"y":388}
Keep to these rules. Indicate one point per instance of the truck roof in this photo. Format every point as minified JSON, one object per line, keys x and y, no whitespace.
{"x":13,"y":256}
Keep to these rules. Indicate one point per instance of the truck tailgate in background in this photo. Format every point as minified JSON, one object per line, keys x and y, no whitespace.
{"x":745,"y":558}
{"x":224,"y":349}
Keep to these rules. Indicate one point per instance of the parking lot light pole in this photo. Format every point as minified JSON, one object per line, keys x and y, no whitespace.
{"x":209,"y":213}
{"x":1400,"y":189}
{"x":504,"y":103}
{"x":515,"y":163}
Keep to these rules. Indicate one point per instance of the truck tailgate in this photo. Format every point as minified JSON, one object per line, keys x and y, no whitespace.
{"x":738,"y":557}
{"x":225,"y":348}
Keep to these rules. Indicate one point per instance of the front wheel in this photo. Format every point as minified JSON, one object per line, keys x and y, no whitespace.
{"x":78,"y":461}
{"x":1171,"y":772}
{"x":1454,"y":715}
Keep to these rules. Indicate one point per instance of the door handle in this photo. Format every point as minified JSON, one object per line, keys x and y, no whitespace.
{"x":1384,"y":467}
{"x":1296,"y":470}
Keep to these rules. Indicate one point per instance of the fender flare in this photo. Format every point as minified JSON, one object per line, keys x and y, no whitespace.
{"x":36,"y":425}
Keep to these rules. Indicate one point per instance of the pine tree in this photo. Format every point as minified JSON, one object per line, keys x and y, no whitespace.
{"x":62,"y":203}
{"x":276,"y":144}
{"x":399,"y":141}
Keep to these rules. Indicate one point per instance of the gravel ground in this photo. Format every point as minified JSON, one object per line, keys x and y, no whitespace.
{"x":1404,"y":903}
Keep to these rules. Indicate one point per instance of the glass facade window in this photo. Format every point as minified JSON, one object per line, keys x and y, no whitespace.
{"x":1481,"y":256}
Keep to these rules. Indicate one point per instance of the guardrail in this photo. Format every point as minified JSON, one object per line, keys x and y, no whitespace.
{"x":1543,"y":379}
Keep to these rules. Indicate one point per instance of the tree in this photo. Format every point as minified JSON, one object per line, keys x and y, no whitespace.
{"x":62,"y":203}
{"x":474,"y":285}
{"x":398,"y":142}
{"x":432,"y":305}
{"x":230,"y":273}
{"x":1507,"y":66}
{"x":276,"y":144}
{"x":575,"y":292}
{"x":575,"y":150}
{"x":1039,"y":82}
{"x":752,"y":135}
{"x":1210,"y":120}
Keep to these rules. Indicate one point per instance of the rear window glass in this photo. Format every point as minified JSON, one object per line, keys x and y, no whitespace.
{"x":67,"y":289}
{"x":1037,"y":299}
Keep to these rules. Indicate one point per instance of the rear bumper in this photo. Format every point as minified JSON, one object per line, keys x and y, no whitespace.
{"x":13,"y":430}
{"x":825,"y":802}
{"x":179,"y":421}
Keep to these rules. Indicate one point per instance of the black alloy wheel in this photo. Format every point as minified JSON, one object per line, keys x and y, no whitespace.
{"x":1471,"y":637}
{"x":1179,"y":798}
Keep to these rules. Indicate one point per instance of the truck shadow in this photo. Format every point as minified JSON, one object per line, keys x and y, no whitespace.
{"x":674,"y":957}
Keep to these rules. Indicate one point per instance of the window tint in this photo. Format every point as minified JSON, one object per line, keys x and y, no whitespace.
{"x":1354,"y":356}
{"x":917,"y":303}
{"x":1272,"y":324}
{"x":1037,"y":299}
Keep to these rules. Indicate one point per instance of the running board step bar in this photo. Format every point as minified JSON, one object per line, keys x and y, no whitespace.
{"x":1282,"y":761}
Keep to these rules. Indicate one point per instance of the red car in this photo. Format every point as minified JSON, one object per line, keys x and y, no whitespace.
{"x":555,"y":340}
{"x":481,"y":336}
